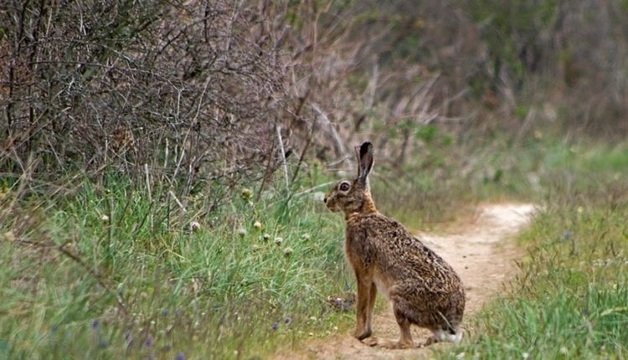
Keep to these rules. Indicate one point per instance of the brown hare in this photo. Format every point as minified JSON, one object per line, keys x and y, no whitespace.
{"x":424,"y":289}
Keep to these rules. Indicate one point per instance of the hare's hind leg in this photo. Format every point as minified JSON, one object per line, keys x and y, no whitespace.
{"x":405,"y":340}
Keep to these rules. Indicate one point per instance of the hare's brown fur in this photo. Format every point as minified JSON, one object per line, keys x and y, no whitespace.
{"x":423,"y":288}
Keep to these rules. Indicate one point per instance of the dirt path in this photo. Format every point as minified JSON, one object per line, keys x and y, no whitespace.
{"x":481,"y":255}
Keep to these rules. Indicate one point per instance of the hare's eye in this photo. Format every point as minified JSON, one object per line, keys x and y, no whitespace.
{"x":344,"y":186}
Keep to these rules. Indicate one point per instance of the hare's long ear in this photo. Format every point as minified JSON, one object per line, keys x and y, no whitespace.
{"x":365,"y":160}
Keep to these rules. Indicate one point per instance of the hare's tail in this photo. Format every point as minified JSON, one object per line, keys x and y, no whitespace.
{"x":447,"y":335}
{"x":452,"y":333}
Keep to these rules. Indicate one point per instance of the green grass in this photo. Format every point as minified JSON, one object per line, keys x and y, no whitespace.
{"x":113,"y":270}
{"x":570,"y":300}
{"x":107,"y":274}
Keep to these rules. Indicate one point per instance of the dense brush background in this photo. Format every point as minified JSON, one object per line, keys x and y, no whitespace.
{"x":160,"y":160}
{"x":197,"y":90}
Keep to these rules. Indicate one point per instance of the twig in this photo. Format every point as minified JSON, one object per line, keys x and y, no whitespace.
{"x":177,"y":201}
{"x":333,"y":131}
{"x":166,"y":153}
{"x":61,"y":248}
{"x":27,"y":175}
{"x":150,"y":197}
{"x":344,"y":159}
{"x":314,"y":188}
{"x":371,"y":89}
{"x":310,"y":137}
{"x":302,"y":157}
{"x":176,"y":170}
{"x":269,"y":170}
{"x":93,"y":272}
{"x":283,"y":157}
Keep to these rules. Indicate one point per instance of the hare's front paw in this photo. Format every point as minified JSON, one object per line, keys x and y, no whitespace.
{"x":362,"y":334}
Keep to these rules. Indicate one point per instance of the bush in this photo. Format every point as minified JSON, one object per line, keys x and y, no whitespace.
{"x":192,"y":91}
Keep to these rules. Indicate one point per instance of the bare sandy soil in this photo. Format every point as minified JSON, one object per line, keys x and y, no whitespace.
{"x":479,"y":251}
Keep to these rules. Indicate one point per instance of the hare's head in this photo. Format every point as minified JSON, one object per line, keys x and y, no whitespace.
{"x":351,"y":196}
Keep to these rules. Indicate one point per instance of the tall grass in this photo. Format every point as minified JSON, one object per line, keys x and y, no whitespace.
{"x":110,"y":273}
